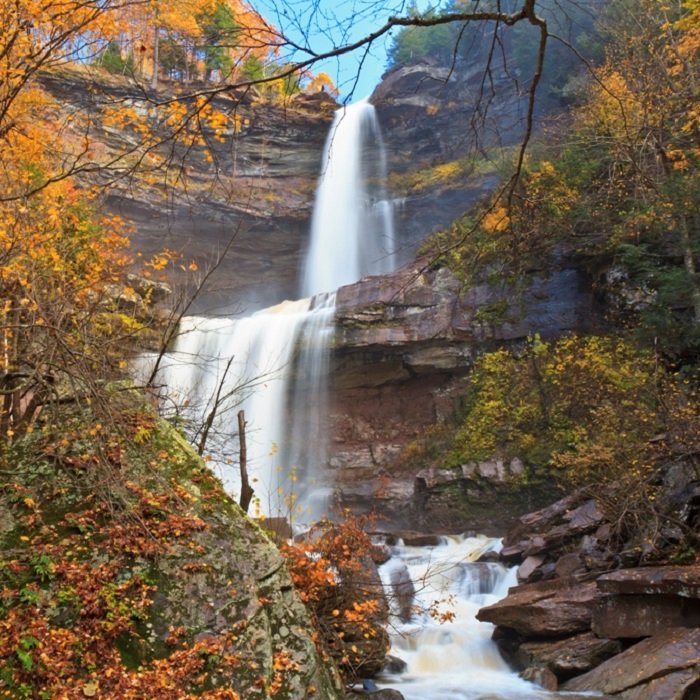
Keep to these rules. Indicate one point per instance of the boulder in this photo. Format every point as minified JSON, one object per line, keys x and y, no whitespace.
{"x":542,"y":520}
{"x":379,"y":694}
{"x":402,"y":592}
{"x":662,"y":666}
{"x":540,"y":676}
{"x":419,"y":539}
{"x":567,"y":657}
{"x":645,"y":601}
{"x":529,"y":566}
{"x":545,"y":609}
{"x":584,"y":518}
{"x":394,"y":665}
{"x":672,"y":580}
{"x":568,"y":565}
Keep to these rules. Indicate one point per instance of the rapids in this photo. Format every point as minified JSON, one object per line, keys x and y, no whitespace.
{"x":453,"y":659}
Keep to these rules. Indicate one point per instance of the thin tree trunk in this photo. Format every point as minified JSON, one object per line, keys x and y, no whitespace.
{"x":246,"y":490}
{"x":156,"y":57}
{"x":689,"y":261}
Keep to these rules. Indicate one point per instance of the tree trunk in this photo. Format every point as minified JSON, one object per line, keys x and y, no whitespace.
{"x":689,"y":261}
{"x":156,"y":57}
{"x":246,"y":490}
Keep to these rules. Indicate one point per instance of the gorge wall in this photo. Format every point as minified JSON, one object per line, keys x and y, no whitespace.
{"x":403,"y":346}
{"x":404,"y":342}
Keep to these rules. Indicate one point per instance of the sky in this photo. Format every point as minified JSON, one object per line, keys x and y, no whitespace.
{"x":323,"y":25}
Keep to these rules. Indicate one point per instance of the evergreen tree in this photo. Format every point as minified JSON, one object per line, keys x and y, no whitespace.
{"x":219,"y":36}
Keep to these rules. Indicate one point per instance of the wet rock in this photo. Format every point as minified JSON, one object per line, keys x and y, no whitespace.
{"x":402,"y":592}
{"x":635,"y":616}
{"x":540,"y":676}
{"x":542,"y":520}
{"x":546,"y":609}
{"x":380,"y":694}
{"x":568,"y":565}
{"x":662,"y":666}
{"x":585,"y":517}
{"x":513,"y":554}
{"x":528,"y":568}
{"x":394,"y":664}
{"x":567,"y":657}
{"x":415,"y":539}
{"x":490,"y":556}
{"x":676,"y":580}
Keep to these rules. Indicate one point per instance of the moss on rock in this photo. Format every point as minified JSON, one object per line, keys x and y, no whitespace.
{"x":128,"y":571}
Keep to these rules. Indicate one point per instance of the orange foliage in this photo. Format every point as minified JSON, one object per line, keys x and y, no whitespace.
{"x":333,"y":575}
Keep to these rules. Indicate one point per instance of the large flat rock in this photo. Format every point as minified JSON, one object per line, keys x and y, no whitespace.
{"x":682,"y":581}
{"x":636,"y":616}
{"x":568,"y":657}
{"x":661,"y":667}
{"x":545,"y":609}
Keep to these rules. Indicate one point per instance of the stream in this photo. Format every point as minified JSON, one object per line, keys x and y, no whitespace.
{"x":452,"y":659}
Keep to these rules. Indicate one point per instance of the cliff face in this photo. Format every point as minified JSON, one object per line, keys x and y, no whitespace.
{"x":403,"y":345}
{"x":437,"y":125}
{"x":243,"y":206}
{"x":404,"y":342}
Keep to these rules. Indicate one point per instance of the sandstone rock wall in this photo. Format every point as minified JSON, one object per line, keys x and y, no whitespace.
{"x":402,"y":348}
{"x":597,"y":611}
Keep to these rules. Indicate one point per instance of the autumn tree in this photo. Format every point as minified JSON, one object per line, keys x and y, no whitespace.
{"x":624,"y":182}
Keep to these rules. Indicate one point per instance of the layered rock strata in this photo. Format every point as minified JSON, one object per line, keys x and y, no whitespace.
{"x":403,"y":346}
{"x":600,"y":612}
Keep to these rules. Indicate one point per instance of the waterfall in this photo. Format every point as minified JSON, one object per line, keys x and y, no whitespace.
{"x":352,"y":224}
{"x":273,"y":364}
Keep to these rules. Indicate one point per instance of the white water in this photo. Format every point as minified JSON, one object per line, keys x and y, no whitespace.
{"x":352,"y":224}
{"x":229,"y":365}
{"x":273,"y":364}
{"x":455,"y":660}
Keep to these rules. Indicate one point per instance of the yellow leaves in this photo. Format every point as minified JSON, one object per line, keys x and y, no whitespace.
{"x":322,"y":82}
{"x":90,"y":689}
{"x":496,"y":219}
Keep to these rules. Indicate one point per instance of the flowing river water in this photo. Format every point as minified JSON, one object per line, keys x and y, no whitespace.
{"x":453,"y":658}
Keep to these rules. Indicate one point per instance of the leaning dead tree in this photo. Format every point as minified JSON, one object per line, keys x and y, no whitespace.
{"x":247,"y":491}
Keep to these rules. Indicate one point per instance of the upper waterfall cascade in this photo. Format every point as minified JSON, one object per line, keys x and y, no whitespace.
{"x":352,"y":232}
{"x":271,"y":364}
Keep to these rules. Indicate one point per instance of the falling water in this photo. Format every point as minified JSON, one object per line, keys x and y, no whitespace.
{"x":454,"y":659}
{"x":273,"y":363}
{"x":351,"y":227}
